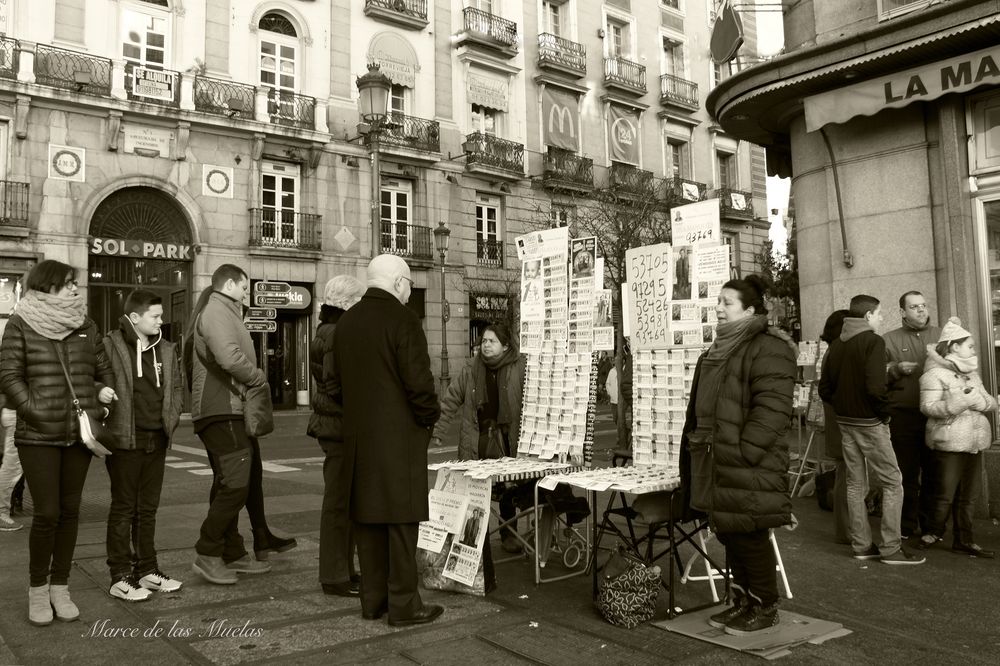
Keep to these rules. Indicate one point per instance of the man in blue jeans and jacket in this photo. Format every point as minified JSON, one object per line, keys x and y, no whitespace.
{"x":854,"y":382}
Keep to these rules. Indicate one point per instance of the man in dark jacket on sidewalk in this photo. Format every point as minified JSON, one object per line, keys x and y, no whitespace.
{"x":853,"y":381}
{"x":151,"y":395}
{"x":383,"y":377}
{"x":906,"y":348}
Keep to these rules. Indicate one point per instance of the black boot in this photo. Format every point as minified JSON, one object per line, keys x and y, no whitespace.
{"x":264,"y":542}
{"x":739,"y":607}
{"x":756,"y":620}
{"x":17,"y":497}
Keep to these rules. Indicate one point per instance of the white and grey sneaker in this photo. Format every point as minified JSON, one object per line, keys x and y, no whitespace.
{"x":8,"y":524}
{"x":159,"y":582}
{"x":126,"y":588}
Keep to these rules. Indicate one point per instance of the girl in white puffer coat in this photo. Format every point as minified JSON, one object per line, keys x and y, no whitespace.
{"x":955,"y":401}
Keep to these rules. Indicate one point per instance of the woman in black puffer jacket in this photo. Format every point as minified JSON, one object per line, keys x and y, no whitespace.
{"x":336,"y":547}
{"x":741,"y":405}
{"x":50,"y":322}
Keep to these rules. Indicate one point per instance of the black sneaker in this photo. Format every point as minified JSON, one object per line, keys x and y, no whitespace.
{"x":756,"y":620}
{"x":870,"y":553}
{"x":902,"y":557}
{"x":739,"y":607}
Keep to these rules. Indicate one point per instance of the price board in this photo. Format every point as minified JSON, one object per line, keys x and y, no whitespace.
{"x":648,"y":270}
{"x":696,"y":224}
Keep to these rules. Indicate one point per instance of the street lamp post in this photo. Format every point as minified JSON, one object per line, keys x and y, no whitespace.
{"x":442,"y":234}
{"x":373,"y":89}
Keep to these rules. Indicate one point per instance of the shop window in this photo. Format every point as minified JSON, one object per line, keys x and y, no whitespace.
{"x":145,"y":34}
{"x":279,"y":198}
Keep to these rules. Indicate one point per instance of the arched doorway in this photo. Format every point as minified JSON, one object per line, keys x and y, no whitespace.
{"x":140,"y":237}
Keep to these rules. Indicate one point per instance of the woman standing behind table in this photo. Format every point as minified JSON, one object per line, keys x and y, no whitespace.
{"x":955,"y":402}
{"x":486,"y":396}
{"x":50,"y":328}
{"x":741,"y":405}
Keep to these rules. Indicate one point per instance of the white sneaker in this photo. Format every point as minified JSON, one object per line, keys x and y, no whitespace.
{"x":125,"y":588}
{"x":159,"y":581}
{"x":8,"y":524}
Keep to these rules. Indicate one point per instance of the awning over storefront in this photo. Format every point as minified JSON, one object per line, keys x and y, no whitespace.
{"x":395,"y":58}
{"x":487,"y":89}
{"x":919,"y":84}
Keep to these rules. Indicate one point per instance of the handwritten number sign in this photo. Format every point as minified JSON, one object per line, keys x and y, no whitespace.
{"x":648,"y":269}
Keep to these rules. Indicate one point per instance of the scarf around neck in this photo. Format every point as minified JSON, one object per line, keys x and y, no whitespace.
{"x":729,"y":335}
{"x":479,"y":368}
{"x":50,"y":315}
{"x":964,"y":365}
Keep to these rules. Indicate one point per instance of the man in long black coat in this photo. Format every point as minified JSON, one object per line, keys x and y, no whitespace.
{"x":384,"y":381}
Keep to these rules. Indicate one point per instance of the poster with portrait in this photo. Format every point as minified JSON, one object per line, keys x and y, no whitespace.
{"x":583,"y":255}
{"x":466,"y":548}
{"x":682,"y":285}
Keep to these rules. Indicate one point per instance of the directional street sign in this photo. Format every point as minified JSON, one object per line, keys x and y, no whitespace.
{"x":293,"y":298}
{"x":272,"y":287}
{"x":261,"y":313}
{"x":262,"y":326}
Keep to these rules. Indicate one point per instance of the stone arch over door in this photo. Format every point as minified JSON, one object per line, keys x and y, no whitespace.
{"x":142,"y":214}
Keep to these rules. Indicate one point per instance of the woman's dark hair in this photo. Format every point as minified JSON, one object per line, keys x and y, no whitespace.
{"x":751,"y":290}
{"x":834,"y":325}
{"x":501,"y":331}
{"x":49,"y":273}
{"x":943,"y":348}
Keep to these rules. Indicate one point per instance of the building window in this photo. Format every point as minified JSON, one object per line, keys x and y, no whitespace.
{"x":279,"y":199}
{"x":278,"y":45}
{"x":145,"y":33}
{"x":676,"y":159}
{"x":560,"y":216}
{"x":673,"y":57}
{"x":725,"y":173}
{"x":732,"y":240}
{"x":483,"y":5}
{"x":484,"y":119}
{"x":395,"y":215}
{"x":618,"y":41}
{"x":551,"y":19}
{"x":489,"y":247}
{"x":672,"y":4}
{"x":397,"y":99}
{"x":891,"y":8}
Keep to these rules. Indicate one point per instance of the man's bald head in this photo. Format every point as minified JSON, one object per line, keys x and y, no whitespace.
{"x":390,"y":273}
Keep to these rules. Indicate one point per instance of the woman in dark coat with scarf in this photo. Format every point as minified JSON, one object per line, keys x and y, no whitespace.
{"x":336,"y":546}
{"x":740,"y":407}
{"x":48,"y":337}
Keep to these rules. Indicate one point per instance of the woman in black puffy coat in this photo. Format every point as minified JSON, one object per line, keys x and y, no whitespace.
{"x":48,"y":332}
{"x":740,"y":407}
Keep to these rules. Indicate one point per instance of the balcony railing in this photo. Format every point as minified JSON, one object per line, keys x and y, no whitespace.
{"x":681,"y":191}
{"x":70,"y":70}
{"x":413,"y":8}
{"x":490,"y":26}
{"x":9,"y":55}
{"x":13,"y":203}
{"x":153,"y":86}
{"x":270,"y":227}
{"x":492,"y":151}
{"x":407,"y":240}
{"x":678,"y":90}
{"x":489,"y":252}
{"x":291,"y":109}
{"x":564,"y":168}
{"x":410,"y":132}
{"x":627,"y":179}
{"x":554,"y":50}
{"x":734,"y":203}
{"x":625,"y":73}
{"x":227,"y":98}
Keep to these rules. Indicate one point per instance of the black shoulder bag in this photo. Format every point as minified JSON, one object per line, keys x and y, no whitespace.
{"x":93,"y":432}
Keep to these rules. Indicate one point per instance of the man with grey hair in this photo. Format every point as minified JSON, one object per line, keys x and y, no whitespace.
{"x":383,"y":379}
{"x":336,"y":546}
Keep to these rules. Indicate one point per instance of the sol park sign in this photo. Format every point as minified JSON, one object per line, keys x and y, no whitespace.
{"x":123,"y":247}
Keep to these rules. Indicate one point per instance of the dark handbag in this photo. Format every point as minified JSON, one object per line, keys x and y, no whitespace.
{"x":93,"y":433}
{"x":702,"y":461}
{"x":492,"y":443}
{"x":628,"y":590}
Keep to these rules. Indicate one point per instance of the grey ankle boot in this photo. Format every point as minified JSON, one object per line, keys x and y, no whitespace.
{"x":39,"y":606}
{"x":65,"y":609}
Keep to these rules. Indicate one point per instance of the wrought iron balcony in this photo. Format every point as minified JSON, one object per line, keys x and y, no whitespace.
{"x":270,"y":227}
{"x":407,"y":240}
{"x":410,"y":132}
{"x":153,"y":86}
{"x":735,"y":203}
{"x":681,"y":191}
{"x":9,"y":55}
{"x":13,"y":203}
{"x":566,"y":170}
{"x":226,"y":98}
{"x":489,"y":30}
{"x":560,"y":54}
{"x":625,"y":75}
{"x":675,"y":91}
{"x":489,"y":252}
{"x":407,"y":13}
{"x":493,"y":153}
{"x":291,"y":109}
{"x":70,"y":70}
{"x":630,"y":180}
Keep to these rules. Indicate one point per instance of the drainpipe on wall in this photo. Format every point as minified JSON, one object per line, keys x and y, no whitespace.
{"x":848,"y":258}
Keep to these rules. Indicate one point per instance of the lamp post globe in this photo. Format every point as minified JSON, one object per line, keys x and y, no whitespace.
{"x":373,"y":90}
{"x":442,"y":235}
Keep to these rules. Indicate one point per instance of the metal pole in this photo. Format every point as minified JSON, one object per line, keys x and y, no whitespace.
{"x":445,"y":379}
{"x":376,"y":189}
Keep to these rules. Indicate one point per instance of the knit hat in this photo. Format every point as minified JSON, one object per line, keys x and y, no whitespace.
{"x":953,"y":331}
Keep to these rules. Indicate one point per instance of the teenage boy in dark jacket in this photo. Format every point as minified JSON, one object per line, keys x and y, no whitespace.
{"x":151,"y":393}
{"x":854,"y":382}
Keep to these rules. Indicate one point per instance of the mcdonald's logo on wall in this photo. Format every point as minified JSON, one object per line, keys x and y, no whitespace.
{"x":560,"y":119}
